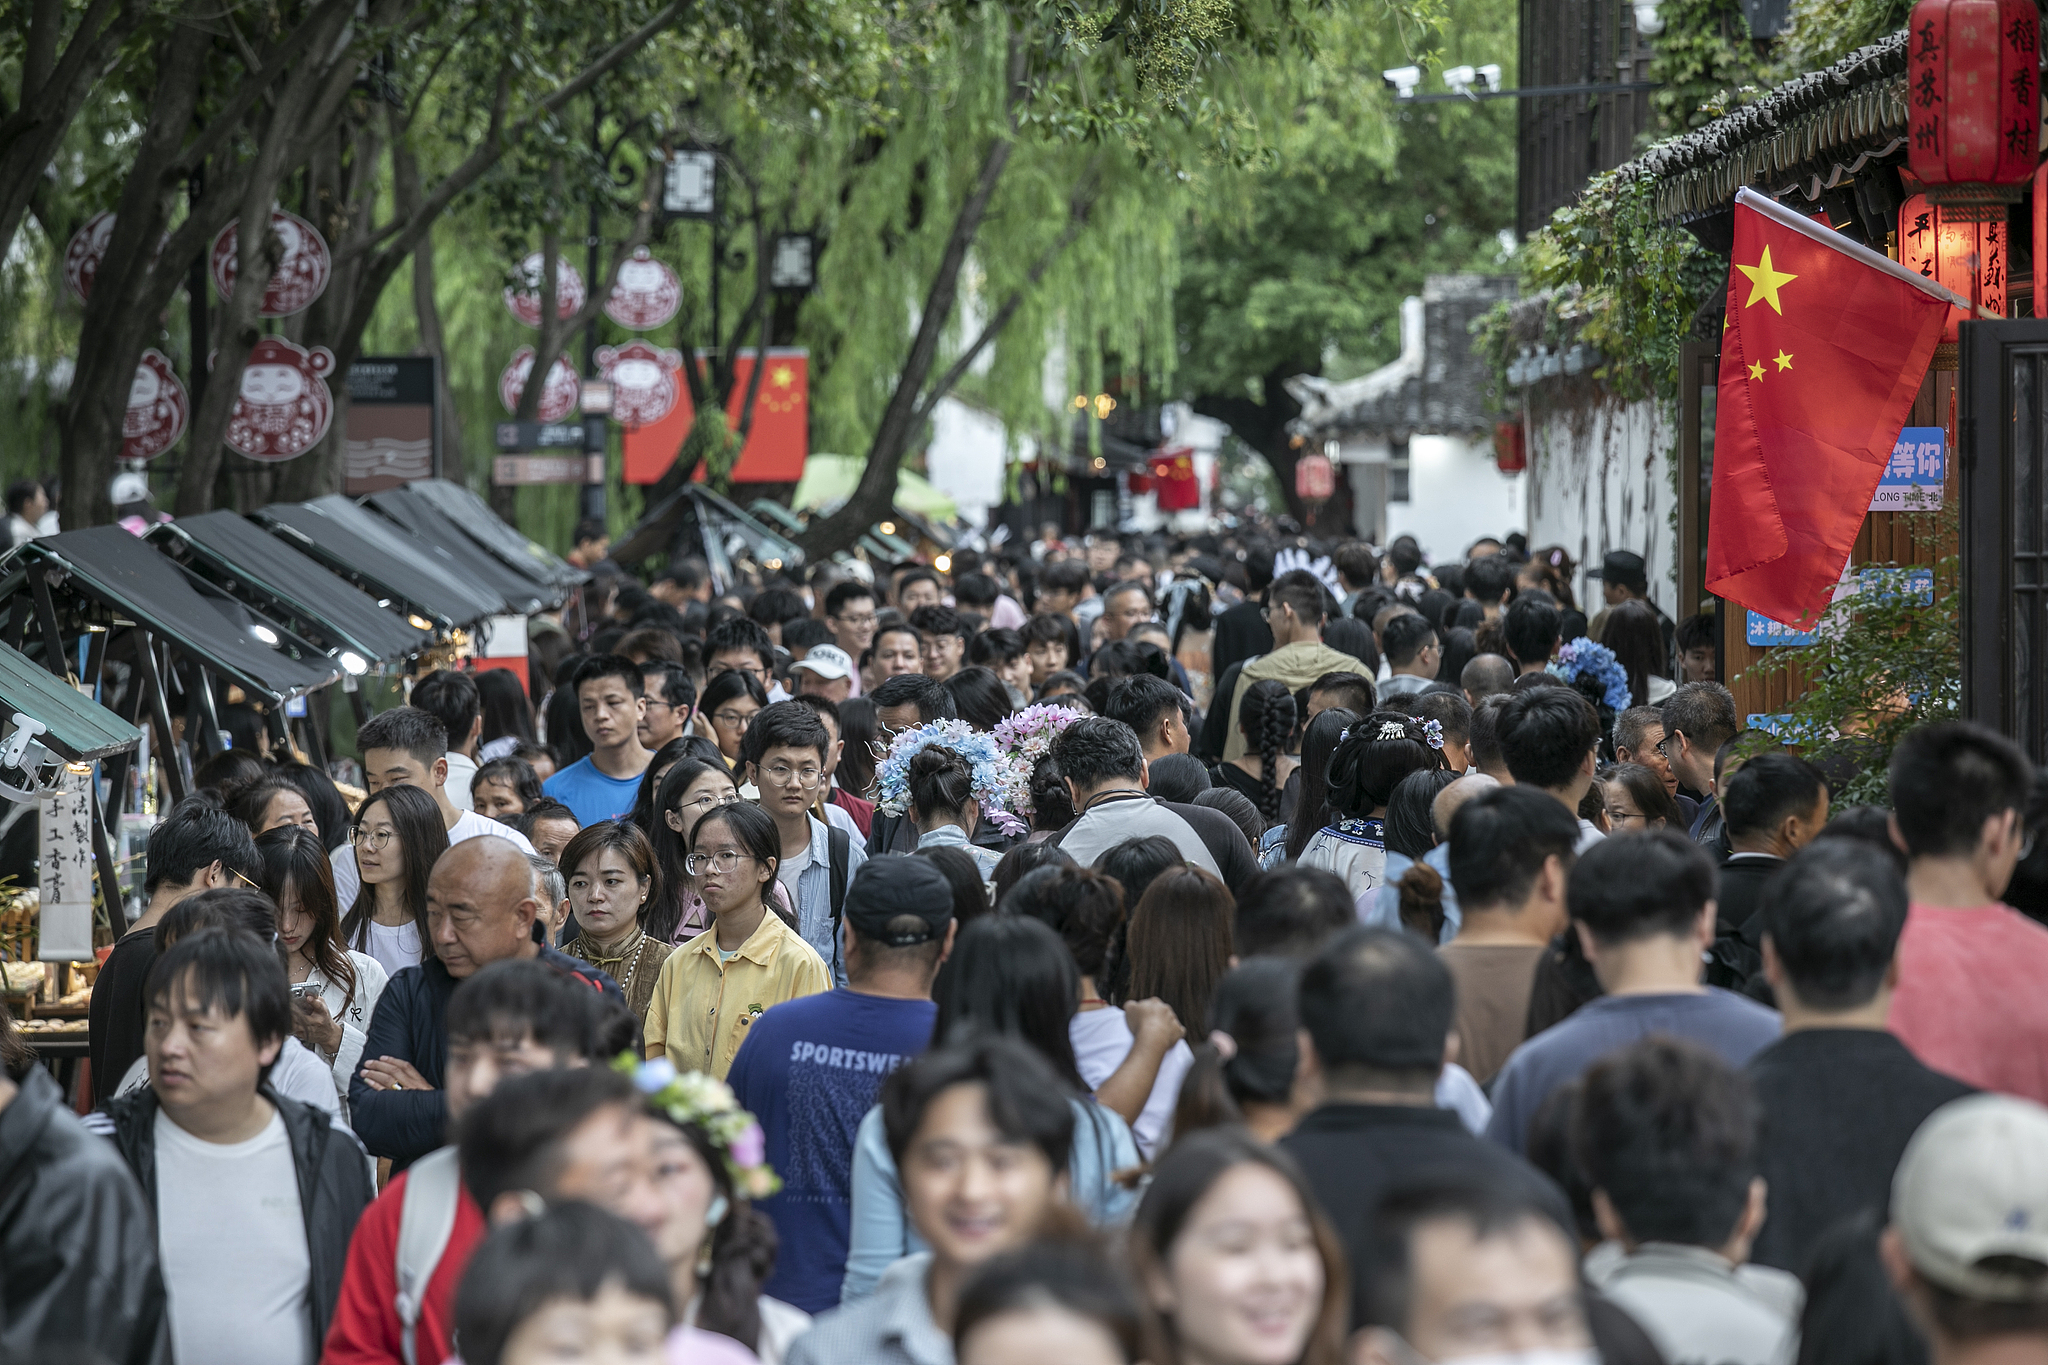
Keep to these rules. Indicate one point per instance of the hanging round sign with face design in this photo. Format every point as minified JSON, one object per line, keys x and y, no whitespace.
{"x":644,"y":381}
{"x":647,"y":294}
{"x":301,"y":274}
{"x":82,"y":254}
{"x":158,"y":409}
{"x":283,"y":407}
{"x":558,"y":396}
{"x":525,"y":300}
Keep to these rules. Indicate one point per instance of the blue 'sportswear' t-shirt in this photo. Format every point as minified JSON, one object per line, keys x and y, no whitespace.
{"x":592,"y":795}
{"x":810,"y":1071}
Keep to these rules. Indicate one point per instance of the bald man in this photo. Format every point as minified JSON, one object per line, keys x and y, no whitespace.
{"x":480,"y":910}
{"x":1384,"y":907}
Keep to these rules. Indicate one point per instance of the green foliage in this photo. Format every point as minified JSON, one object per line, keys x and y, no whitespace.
{"x":1300,"y":263}
{"x":1703,"y":55}
{"x":1820,"y":33}
{"x":1882,"y":662}
{"x":1606,"y":272}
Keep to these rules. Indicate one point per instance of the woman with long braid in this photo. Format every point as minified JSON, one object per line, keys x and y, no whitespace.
{"x":1266,"y":715}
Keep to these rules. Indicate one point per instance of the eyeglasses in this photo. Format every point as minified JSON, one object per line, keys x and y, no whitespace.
{"x":857,"y":622}
{"x":726,"y":860}
{"x":885,"y":735}
{"x":732,"y":717}
{"x":1617,"y":817}
{"x":781,"y":774}
{"x":372,"y":839}
{"x":706,"y":802}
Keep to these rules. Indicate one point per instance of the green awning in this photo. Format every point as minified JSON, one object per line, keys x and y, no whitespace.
{"x":80,"y":729}
{"x":830,"y":480}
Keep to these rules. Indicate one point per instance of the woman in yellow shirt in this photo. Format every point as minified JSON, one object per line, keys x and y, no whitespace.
{"x":714,"y":987}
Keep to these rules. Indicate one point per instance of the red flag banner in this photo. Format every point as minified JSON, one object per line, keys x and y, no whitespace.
{"x":1824,"y":349}
{"x":776,"y":447}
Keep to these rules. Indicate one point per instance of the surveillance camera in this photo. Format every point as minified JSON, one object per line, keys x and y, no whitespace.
{"x":1403,"y":80}
{"x":1458,"y":79}
{"x":1489,"y":76}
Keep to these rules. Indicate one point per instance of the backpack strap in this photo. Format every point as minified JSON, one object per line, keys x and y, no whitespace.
{"x":426,"y":1220}
{"x":840,"y":853}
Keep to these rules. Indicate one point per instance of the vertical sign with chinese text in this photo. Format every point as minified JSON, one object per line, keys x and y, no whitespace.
{"x":64,"y":932}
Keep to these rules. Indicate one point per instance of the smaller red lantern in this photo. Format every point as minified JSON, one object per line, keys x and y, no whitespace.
{"x":1510,"y":446}
{"x":1314,"y":480}
{"x":1972,"y":94}
{"x":1957,"y":252}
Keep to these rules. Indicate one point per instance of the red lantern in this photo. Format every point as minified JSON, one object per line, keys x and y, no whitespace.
{"x":1510,"y":446}
{"x":1314,"y":480}
{"x":1973,"y":99}
{"x":1956,"y":251}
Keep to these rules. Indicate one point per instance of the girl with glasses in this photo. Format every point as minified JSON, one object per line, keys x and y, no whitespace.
{"x":729,"y":703}
{"x":398,"y":834}
{"x":693,"y":789}
{"x":751,"y":959}
{"x":1638,"y":800}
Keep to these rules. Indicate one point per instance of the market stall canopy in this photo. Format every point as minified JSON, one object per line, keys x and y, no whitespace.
{"x":829,"y":480}
{"x":696,"y":521}
{"x":243,"y":561}
{"x":383,"y":560}
{"x":525,"y":594}
{"x":80,"y":730}
{"x":484,"y":526}
{"x":133,"y":580}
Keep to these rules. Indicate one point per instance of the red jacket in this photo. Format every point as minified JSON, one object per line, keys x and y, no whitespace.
{"x":860,"y":808}
{"x":365,"y":1327}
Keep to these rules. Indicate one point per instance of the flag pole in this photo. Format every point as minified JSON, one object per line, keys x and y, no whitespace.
{"x":1856,"y":251}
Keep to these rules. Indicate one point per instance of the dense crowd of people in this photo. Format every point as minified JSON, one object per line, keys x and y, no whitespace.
{"x":1194,"y":952}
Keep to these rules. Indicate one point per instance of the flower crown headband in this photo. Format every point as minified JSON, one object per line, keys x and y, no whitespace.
{"x":695,"y":1097}
{"x":1001,"y":781}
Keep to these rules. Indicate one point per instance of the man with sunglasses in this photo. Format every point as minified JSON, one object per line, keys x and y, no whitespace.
{"x":786,"y":750}
{"x":197,"y":848}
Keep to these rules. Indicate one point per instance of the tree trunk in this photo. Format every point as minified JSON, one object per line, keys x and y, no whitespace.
{"x":877,"y":488}
{"x":1262,"y":425}
{"x":131,"y":289}
{"x":54,"y":87}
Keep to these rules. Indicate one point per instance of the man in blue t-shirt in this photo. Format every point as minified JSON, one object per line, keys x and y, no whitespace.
{"x":603,"y":784}
{"x":810,"y":1069}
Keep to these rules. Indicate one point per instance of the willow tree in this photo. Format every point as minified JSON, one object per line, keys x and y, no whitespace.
{"x":1054,"y":126}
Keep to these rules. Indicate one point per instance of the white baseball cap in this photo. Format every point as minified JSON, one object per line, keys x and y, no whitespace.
{"x":1971,"y":1198}
{"x":827,"y":661}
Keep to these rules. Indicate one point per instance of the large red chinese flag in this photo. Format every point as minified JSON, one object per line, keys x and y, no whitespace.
{"x":1825,"y":345}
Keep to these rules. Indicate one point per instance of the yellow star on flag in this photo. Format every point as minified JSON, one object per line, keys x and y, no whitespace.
{"x":1765,"y":281}
{"x":1784,"y":361}
{"x":1756,"y":371}
{"x":782,"y":376}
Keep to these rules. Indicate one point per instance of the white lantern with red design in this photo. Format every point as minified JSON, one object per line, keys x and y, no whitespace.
{"x":301,"y":274}
{"x":283,"y":406}
{"x":644,"y":381}
{"x":524,"y":302}
{"x":559,"y":394}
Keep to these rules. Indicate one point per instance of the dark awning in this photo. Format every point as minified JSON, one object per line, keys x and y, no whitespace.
{"x":79,"y":728}
{"x":524,"y":593}
{"x":484,"y":526}
{"x":134,"y":580}
{"x":245,"y":562}
{"x":383,"y":560}
{"x":695,"y":520}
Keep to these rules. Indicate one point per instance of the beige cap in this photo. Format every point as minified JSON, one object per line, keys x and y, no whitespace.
{"x":1972,"y":1187}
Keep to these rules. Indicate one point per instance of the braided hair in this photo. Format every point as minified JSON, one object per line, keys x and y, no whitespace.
{"x":1266,"y":715}
{"x":1366,"y":768}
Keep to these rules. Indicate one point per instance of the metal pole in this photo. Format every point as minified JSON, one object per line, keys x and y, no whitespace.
{"x":592,"y":503}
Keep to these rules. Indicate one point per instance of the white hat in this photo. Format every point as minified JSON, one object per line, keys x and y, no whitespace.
{"x":1973,"y":1185}
{"x":129,"y":486}
{"x":827,"y":661}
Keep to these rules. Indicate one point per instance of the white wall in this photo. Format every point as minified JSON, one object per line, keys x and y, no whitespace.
{"x":1456,"y":494}
{"x":1600,"y":480}
{"x":966,"y":457}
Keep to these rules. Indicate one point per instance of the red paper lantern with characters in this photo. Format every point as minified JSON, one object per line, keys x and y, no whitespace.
{"x":1973,"y":102}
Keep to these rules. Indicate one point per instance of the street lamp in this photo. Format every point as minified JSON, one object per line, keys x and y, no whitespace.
{"x":689,"y":183}
{"x":793,"y":269}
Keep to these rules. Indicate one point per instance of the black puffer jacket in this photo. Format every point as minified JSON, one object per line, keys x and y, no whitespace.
{"x":335,"y":1184}
{"x":78,"y":1268}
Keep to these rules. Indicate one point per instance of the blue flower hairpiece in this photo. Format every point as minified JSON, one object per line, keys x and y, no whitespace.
{"x":1588,"y":659}
{"x":1432,"y":731}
